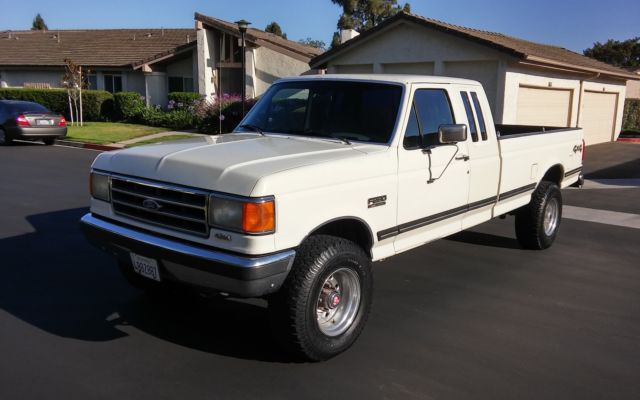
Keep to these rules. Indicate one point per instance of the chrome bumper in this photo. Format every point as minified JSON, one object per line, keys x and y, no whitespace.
{"x":245,"y":276}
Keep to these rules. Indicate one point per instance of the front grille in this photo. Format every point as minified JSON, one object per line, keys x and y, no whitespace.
{"x":181,"y":209}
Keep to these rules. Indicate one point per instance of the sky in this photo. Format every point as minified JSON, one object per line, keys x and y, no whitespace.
{"x":575,"y":25}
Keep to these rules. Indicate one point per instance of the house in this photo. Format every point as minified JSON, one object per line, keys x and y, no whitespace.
{"x":268,"y":58}
{"x":527,"y":83}
{"x":633,"y":87}
{"x":151,"y":62}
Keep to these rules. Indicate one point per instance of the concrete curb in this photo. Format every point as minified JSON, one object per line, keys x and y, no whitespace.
{"x":92,"y":146}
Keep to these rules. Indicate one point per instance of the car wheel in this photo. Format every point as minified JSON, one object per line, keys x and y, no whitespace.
{"x":538,"y":222}
{"x":49,"y":142}
{"x":4,"y":139}
{"x":324,"y":304}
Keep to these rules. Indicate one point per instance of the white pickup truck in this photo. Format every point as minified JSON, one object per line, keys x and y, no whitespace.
{"x":325,"y":175}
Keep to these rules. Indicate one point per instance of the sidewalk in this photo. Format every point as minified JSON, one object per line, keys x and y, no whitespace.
{"x":125,"y":143}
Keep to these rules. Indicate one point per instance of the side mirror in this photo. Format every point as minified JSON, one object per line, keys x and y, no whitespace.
{"x":448,"y":134}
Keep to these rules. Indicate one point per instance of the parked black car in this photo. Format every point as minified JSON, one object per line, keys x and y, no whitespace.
{"x":27,"y":120}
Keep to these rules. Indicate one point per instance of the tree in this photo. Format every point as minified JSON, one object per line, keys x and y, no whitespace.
{"x":625,"y":54}
{"x":274,"y":28}
{"x":319,"y":44}
{"x":365,"y":14}
{"x":73,"y":81}
{"x":39,"y":24}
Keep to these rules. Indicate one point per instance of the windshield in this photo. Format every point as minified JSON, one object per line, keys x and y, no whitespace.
{"x":360,"y":111}
{"x":26,"y":107}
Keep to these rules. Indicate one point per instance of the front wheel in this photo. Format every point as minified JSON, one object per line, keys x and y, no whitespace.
{"x":323,"y":306}
{"x":538,"y":222}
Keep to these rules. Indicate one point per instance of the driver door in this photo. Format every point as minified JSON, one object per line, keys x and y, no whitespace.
{"x":433,"y":179}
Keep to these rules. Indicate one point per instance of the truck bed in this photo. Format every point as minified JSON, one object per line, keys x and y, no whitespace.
{"x":511,"y":131}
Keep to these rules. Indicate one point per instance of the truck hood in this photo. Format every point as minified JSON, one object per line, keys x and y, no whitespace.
{"x":231,"y":163}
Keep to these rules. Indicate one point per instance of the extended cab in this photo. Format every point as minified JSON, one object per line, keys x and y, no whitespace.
{"x":325,"y":175}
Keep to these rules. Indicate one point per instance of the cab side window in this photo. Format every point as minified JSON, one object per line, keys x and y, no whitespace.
{"x":431,"y":108}
{"x":472,"y":121}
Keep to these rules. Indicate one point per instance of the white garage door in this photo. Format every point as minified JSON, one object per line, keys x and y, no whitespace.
{"x":354,"y":69}
{"x":599,"y":111}
{"x":544,"y":106}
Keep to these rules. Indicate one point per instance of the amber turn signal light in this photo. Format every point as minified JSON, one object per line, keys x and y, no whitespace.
{"x":259,"y":217}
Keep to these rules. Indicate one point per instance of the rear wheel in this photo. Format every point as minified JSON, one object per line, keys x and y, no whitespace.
{"x":323,"y":306}
{"x":49,"y":141}
{"x":538,"y":222}
{"x":4,"y":139}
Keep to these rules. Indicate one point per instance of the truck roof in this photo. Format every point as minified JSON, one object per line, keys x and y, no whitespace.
{"x":390,"y":78}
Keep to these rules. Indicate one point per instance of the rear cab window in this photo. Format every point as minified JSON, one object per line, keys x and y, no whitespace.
{"x":480,"y":115}
{"x":473,"y":129}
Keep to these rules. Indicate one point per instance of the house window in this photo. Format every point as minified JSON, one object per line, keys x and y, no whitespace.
{"x":180,"y":84}
{"x":231,"y":50}
{"x":92,"y":81}
{"x":113,"y":83}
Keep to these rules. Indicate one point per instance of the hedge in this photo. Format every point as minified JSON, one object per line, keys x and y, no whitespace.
{"x":97,"y":104}
{"x":631,"y":118}
{"x":183,"y":99}
{"x":129,"y":106}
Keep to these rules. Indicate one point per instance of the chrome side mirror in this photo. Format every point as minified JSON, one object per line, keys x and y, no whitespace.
{"x":449,"y":134}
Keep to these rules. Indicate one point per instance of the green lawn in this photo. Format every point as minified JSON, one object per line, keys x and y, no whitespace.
{"x":109,"y":132}
{"x":160,"y":140}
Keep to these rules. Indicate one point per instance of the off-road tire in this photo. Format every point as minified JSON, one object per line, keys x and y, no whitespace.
{"x":530,"y":219}
{"x":293,"y":310}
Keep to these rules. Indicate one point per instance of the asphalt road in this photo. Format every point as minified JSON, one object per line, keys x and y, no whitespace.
{"x":470,"y":317}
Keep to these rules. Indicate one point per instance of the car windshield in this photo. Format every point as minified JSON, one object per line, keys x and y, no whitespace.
{"x":26,"y":107}
{"x":344,"y":110}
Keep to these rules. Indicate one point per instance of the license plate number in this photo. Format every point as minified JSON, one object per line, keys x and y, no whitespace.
{"x":147,"y":267}
{"x":47,"y":122}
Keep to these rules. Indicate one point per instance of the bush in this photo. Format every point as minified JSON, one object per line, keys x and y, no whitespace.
{"x":97,"y":104}
{"x":181,"y":100}
{"x":176,"y":120}
{"x":129,"y":106}
{"x":631,"y":118}
{"x":225,"y":112}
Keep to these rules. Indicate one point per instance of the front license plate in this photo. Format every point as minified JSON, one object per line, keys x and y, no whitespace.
{"x":47,"y":122}
{"x":147,"y":267}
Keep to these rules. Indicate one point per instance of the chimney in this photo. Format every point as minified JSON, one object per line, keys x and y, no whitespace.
{"x":347,"y":34}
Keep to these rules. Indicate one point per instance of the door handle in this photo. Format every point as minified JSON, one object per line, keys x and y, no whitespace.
{"x":463,"y":157}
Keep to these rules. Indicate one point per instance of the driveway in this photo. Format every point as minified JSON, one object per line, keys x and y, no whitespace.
{"x":469,"y":317}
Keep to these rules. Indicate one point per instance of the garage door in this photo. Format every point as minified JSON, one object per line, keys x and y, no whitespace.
{"x":354,"y":69}
{"x":544,"y":106}
{"x":599,"y":111}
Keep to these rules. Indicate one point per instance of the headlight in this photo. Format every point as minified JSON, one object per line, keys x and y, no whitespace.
{"x":254,"y":217}
{"x":99,"y":186}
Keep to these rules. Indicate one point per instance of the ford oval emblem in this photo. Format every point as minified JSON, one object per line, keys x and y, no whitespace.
{"x":151,"y":204}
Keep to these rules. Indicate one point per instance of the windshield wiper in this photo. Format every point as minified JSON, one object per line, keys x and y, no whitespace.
{"x":343,"y":139}
{"x":254,"y":128}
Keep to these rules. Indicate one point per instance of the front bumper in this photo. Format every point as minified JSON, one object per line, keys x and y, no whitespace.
{"x":240,"y":275}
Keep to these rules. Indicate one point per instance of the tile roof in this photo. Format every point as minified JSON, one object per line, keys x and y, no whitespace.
{"x":519,"y":48}
{"x":89,"y":47}
{"x":262,"y":38}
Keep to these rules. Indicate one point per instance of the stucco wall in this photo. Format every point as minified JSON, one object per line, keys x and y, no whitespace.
{"x":517,"y":75}
{"x":410,"y":48}
{"x":135,"y":82}
{"x":270,"y":66}
{"x":206,"y":62}
{"x":17,"y":78}
{"x":633,"y":89}
{"x":156,"y":89}
{"x":182,"y":68}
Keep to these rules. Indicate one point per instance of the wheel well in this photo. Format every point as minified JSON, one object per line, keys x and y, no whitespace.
{"x":554,"y":174}
{"x":352,"y":229}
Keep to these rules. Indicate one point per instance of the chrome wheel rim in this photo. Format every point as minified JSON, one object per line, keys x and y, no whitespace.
{"x":551,"y":214}
{"x":338,"y":302}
